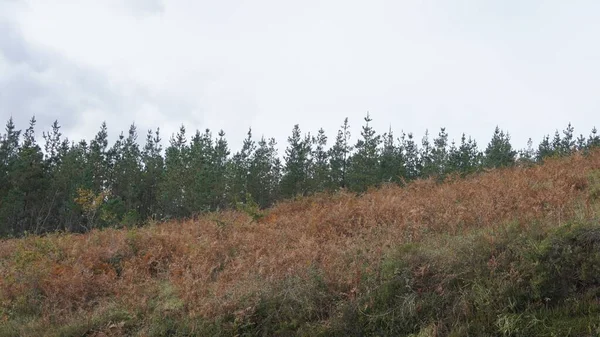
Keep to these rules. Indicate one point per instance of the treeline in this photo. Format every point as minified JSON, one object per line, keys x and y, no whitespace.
{"x":64,"y":185}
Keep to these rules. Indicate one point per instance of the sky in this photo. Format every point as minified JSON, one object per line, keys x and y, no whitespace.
{"x":530,"y":67}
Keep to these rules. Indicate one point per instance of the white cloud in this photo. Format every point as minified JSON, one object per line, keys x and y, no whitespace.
{"x":469,"y":65}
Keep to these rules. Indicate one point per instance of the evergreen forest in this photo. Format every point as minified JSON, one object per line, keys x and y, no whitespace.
{"x":62,"y":185}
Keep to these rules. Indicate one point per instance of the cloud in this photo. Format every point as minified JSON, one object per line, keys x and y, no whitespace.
{"x":144,"y":7}
{"x":469,"y":66}
{"x":39,"y":83}
{"x":35,"y":81}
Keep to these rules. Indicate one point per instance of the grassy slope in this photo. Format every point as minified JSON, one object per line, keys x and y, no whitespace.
{"x":511,"y":252}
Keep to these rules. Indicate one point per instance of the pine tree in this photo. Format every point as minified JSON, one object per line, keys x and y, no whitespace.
{"x":111,"y":189}
{"x":9,"y":149}
{"x":76,"y":186}
{"x":321,"y":173}
{"x":132,"y":171}
{"x":412,"y":160}
{"x":527,"y":155}
{"x":439,"y":154}
{"x":10,"y":198}
{"x":568,"y":141}
{"x":174,"y":187}
{"x":264,"y":173}
{"x":499,"y":152}
{"x":98,"y":161}
{"x":545,"y":149}
{"x":151,"y":175}
{"x":9,"y":146}
{"x":391,"y":163}
{"x":580,"y":143}
{"x":466,"y":158}
{"x":557,"y":144}
{"x":364,"y":164}
{"x":339,"y":155}
{"x":594,"y":139}
{"x":219,"y":161}
{"x":239,"y":170}
{"x":426,"y":154}
{"x":73,"y":176}
{"x":53,"y":146}
{"x":201,"y":172}
{"x":296,"y":178}
{"x":56,"y":149}
{"x":30,"y":183}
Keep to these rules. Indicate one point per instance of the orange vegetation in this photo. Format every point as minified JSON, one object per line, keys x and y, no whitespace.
{"x":221,"y":262}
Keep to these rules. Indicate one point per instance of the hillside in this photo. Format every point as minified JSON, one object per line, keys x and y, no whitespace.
{"x":511,"y":252}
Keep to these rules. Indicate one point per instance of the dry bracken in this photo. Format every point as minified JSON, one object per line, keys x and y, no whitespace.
{"x":219,"y":264}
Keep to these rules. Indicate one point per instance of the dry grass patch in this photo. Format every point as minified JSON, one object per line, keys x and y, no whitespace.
{"x":218,"y":266}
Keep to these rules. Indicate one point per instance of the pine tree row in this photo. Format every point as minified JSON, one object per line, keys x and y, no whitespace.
{"x":79,"y":186}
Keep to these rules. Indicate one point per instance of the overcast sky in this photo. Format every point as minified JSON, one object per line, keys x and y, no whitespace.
{"x":469,"y":65}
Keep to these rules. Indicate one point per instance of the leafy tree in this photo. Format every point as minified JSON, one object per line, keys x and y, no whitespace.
{"x":499,"y":152}
{"x":91,"y":205}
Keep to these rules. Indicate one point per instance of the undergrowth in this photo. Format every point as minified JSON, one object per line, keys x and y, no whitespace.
{"x":512,"y":252}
